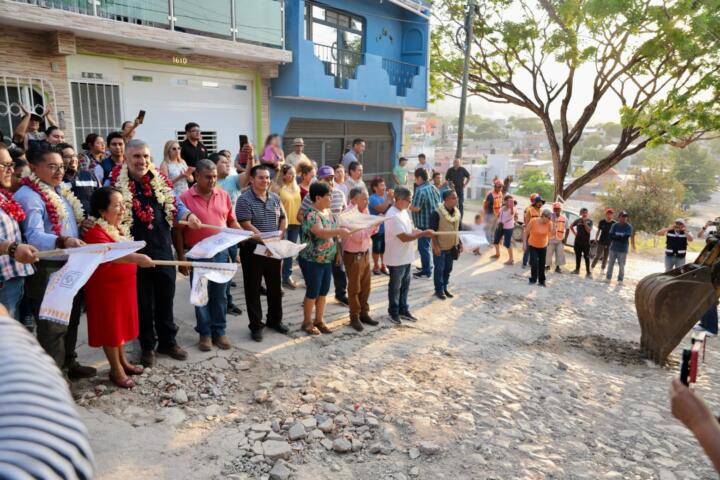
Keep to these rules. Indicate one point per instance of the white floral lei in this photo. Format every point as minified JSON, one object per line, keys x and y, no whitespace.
{"x":117,"y":233}
{"x":161,"y":190}
{"x":57,"y":203}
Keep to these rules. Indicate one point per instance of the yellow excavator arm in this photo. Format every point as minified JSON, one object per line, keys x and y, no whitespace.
{"x":669,"y":304}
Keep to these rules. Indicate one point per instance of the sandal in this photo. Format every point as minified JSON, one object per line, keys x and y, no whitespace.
{"x":127,"y":383}
{"x":323,"y":328}
{"x":311,"y":330}
{"x":134,"y":370}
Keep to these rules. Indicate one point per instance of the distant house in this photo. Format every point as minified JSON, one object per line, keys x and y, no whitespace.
{"x":545,"y":166}
{"x":598,"y":186}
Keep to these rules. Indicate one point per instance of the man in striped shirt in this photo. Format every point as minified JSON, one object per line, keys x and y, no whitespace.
{"x":43,"y":436}
{"x":326,"y":175}
{"x":424,"y":202}
{"x":260,"y":211}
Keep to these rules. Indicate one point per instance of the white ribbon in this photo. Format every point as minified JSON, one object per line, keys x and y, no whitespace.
{"x":64,"y":284}
{"x":472,"y":240}
{"x":208,"y":271}
{"x":211,"y":246}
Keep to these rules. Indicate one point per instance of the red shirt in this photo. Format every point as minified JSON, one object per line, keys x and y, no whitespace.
{"x":216,"y":210}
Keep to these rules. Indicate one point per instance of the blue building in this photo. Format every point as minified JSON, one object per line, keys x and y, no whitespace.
{"x":357,"y":66}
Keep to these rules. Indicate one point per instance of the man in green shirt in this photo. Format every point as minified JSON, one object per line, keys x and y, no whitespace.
{"x":400,"y":173}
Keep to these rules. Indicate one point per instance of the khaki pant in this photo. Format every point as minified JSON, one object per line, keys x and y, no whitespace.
{"x":556,"y":249}
{"x":357,"y":266}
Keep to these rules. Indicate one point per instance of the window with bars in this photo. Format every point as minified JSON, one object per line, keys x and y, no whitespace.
{"x":96,"y":108}
{"x":207,"y":137}
{"x":33,"y":93}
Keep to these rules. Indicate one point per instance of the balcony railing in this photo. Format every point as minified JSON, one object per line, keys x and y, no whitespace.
{"x":251,"y":21}
{"x":340,"y":64}
{"x":401,"y":74}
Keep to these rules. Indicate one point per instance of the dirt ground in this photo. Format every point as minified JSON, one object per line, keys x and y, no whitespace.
{"x":506,"y":380}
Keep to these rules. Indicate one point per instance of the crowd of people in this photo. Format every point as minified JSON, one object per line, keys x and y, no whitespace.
{"x":55,"y":197}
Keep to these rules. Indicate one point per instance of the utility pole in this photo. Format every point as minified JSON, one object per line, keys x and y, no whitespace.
{"x":469,"y":16}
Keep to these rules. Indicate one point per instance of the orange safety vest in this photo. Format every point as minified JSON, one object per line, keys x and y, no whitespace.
{"x":530,"y":213}
{"x":559,"y":227}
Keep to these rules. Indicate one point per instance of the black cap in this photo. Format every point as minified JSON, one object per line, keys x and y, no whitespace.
{"x":624,"y":213}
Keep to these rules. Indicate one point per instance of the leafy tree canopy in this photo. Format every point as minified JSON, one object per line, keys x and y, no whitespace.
{"x":658,"y":59}
{"x":532,"y":181}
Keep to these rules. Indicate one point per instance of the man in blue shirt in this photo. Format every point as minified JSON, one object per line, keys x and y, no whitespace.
{"x":620,"y":235}
{"x":424,"y":202}
{"x":46,"y":232}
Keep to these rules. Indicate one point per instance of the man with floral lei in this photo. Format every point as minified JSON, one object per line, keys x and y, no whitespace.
{"x":52,"y":218}
{"x":151,"y":211}
{"x":15,"y":256}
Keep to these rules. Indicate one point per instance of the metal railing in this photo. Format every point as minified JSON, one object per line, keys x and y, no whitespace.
{"x":32,"y":92}
{"x":259,"y":22}
{"x":401,"y":74}
{"x":339,"y":63}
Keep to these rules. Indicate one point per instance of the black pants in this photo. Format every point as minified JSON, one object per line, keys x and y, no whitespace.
{"x":601,"y":253}
{"x":156,"y":291}
{"x":537,"y":264}
{"x":254,"y":269}
{"x":57,"y":339}
{"x":582,"y":251}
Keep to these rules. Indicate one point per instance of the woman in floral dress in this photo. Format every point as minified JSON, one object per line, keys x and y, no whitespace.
{"x":319,"y":231}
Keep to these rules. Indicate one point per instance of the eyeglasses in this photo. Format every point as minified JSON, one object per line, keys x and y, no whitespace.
{"x":7,"y":166}
{"x":54,"y":168}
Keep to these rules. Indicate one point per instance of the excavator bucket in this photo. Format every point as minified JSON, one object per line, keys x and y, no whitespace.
{"x":669,"y":304}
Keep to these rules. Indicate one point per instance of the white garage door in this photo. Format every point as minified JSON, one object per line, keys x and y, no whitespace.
{"x":170,"y":100}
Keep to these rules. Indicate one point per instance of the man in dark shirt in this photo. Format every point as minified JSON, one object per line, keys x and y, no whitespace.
{"x":155,"y":286}
{"x":581,"y":228}
{"x":82,"y":182}
{"x":260,"y":211}
{"x":192,"y":149}
{"x":459,"y":177}
{"x":603,"y":233}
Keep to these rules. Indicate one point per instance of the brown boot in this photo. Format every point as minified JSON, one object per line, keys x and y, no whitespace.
{"x":356,"y":324}
{"x":205,"y":344}
{"x":222,"y":342}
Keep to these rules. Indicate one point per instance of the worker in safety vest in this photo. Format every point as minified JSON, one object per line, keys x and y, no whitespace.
{"x":556,"y":247}
{"x":491,"y":207}
{"x":676,"y":242}
{"x":533,"y":211}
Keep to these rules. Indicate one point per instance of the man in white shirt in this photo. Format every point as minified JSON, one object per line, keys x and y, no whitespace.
{"x":298,"y":156}
{"x":423,"y":163}
{"x":400,"y":236}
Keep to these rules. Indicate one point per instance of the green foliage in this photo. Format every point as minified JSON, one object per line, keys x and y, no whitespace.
{"x":652,"y":199}
{"x":658,"y":59}
{"x":696,"y":170}
{"x":532,"y":181}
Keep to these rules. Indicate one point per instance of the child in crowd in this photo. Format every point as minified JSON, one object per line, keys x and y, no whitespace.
{"x":479,"y":227}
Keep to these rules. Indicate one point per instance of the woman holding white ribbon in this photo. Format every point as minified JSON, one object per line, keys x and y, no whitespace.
{"x":111,"y":292}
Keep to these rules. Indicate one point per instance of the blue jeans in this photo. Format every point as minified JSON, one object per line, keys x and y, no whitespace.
{"x":293,"y":234}
{"x":11,"y":292}
{"x":317,"y":278}
{"x":443,"y":268}
{"x":398,"y":289}
{"x":425,"y":250}
{"x":620,"y":257}
{"x":709,"y":320}
{"x":461,"y":202}
{"x":526,"y":257}
{"x":211,"y":319}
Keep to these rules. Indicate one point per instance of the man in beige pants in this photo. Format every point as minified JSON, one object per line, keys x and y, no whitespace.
{"x":556,"y":247}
